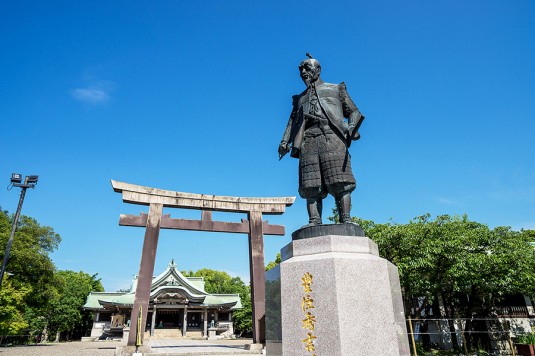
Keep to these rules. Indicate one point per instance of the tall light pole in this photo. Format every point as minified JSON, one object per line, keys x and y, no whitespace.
{"x":16,"y":181}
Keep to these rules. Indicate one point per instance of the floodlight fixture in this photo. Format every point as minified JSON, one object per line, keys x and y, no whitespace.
{"x":32,"y":179}
{"x":16,"y":178}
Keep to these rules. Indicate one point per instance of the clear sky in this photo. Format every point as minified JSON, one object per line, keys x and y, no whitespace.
{"x":194,"y":96}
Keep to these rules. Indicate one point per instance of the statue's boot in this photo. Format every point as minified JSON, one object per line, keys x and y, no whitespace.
{"x":314,"y":208}
{"x":344,"y":207}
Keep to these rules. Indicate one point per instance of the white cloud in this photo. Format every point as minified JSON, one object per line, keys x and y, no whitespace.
{"x":91,"y":96}
{"x":95,"y":94}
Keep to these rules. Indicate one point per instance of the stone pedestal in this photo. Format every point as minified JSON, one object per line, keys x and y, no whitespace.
{"x":353,"y":303}
{"x":273,"y":312}
{"x":212,"y":333}
{"x":126,"y":332}
{"x":131,"y":351}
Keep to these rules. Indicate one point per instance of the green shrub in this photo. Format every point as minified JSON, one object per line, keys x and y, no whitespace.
{"x":526,"y":339}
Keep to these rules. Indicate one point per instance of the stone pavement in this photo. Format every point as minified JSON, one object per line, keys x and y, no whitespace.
{"x":107,"y":348}
{"x":200,"y":347}
{"x":100,"y":348}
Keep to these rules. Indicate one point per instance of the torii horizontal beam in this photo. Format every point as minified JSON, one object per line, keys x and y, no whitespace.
{"x":205,"y":224}
{"x":137,"y":194}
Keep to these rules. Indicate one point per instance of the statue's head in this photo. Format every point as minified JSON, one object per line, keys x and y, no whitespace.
{"x":309,"y":70}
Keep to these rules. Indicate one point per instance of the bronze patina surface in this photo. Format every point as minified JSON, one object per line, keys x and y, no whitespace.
{"x":318,"y":134}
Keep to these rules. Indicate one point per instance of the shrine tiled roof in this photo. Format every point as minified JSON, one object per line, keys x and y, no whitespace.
{"x":169,"y":284}
{"x":92,"y":301}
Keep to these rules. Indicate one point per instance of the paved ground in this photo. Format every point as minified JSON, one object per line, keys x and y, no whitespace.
{"x":160,"y":347}
{"x":63,"y":348}
{"x":203,"y":347}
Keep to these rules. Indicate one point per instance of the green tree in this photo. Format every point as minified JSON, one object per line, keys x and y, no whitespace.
{"x":12,"y":320}
{"x":219,"y":282}
{"x":272,"y":264}
{"x":35,"y":297}
{"x":465,"y":263}
{"x":65,"y":311}
{"x":29,"y":260}
{"x":243,"y":318}
{"x":32,"y":282}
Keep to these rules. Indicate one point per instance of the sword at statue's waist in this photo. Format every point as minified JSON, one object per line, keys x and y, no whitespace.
{"x":313,"y":121}
{"x":314,"y":117}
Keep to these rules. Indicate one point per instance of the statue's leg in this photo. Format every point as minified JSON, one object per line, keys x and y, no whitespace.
{"x":338,"y":209}
{"x":343,"y":204}
{"x":314,"y":208}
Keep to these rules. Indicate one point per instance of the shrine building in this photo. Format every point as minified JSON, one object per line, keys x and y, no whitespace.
{"x":178,"y":305}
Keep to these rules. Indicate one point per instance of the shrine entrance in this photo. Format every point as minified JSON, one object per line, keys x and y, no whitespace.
{"x":255,"y":227}
{"x":169,"y":319}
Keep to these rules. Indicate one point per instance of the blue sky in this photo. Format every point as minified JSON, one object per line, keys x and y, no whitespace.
{"x":194,"y":96}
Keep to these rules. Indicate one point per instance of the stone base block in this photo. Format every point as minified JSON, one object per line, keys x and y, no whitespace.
{"x":273,"y":348}
{"x":349,"y":229}
{"x":254,"y":347}
{"x":340,"y":298}
{"x":131,"y":350}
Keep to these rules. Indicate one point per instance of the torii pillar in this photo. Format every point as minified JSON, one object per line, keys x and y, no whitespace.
{"x":157,"y":199}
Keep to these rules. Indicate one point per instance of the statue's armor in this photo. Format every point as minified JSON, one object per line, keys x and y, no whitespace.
{"x":319,"y":140}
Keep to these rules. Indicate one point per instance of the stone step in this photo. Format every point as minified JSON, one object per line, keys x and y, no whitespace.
{"x":160,"y":334}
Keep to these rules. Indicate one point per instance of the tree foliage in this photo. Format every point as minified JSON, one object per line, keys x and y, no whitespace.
{"x":467,"y":266}
{"x":30,"y":281}
{"x":454,"y":257}
{"x":243,"y":318}
{"x":34,"y":296}
{"x":272,"y":264}
{"x":65,"y":311}
{"x":12,"y":319}
{"x":29,"y":261}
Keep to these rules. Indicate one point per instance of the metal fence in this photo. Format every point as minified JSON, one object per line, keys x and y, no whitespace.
{"x":474,"y":336}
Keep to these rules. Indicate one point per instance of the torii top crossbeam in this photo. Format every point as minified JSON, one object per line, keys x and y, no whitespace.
{"x":137,"y":194}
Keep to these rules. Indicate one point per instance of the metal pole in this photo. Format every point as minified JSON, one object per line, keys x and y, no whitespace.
{"x":10,"y":241}
{"x":412,"y":337}
{"x":465,"y":346}
{"x":511,"y":344}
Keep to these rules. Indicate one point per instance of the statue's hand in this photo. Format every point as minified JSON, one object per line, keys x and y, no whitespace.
{"x":350,"y":130}
{"x":283,"y":149}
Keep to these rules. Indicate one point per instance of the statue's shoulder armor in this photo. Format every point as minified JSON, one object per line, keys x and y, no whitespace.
{"x":331,"y":85}
{"x":337,"y":87}
{"x":329,"y":90}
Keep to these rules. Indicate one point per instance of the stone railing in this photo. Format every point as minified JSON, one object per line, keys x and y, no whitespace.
{"x":513,"y":311}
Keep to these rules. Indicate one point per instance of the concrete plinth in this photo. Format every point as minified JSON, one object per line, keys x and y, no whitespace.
{"x":254,"y":347}
{"x":354,"y":299}
{"x":131,"y":350}
{"x":212,"y":333}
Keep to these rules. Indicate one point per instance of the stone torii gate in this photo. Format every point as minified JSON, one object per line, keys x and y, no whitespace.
{"x":157,"y":199}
